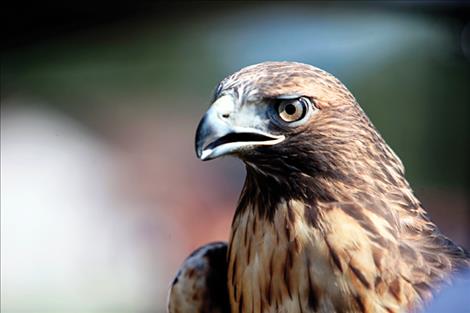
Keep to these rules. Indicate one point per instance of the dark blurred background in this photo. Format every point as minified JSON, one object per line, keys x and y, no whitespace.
{"x":102,"y":196}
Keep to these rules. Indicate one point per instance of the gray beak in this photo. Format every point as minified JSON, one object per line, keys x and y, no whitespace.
{"x":225,"y":130}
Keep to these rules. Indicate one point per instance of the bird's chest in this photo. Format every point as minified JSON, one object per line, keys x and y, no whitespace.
{"x":281,"y":265}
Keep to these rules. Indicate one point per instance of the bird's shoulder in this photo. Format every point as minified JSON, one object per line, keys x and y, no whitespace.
{"x":200,"y":284}
{"x":406,"y":260}
{"x":432,"y":259}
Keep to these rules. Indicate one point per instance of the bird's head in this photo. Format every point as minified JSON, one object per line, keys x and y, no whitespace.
{"x":285,"y":117}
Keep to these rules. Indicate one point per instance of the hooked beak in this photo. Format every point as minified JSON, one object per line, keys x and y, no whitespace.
{"x":224,"y":130}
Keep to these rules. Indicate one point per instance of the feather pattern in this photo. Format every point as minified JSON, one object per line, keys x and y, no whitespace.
{"x":326,"y":220}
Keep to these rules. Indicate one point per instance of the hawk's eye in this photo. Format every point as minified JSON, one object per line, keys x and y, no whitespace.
{"x":292,"y":110}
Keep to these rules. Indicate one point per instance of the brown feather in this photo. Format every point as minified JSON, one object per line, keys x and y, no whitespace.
{"x":326,"y":220}
{"x":335,"y":187}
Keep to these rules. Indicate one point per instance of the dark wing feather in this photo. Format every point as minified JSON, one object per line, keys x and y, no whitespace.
{"x":201,"y":282}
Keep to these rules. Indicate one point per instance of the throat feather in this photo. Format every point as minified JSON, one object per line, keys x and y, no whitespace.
{"x":323,"y":263}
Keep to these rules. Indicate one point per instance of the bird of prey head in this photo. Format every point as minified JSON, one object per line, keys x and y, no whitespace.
{"x":326,"y":221}
{"x":299,"y":128}
{"x":264,"y":110}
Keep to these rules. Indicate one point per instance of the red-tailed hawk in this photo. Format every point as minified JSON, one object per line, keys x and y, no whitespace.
{"x":326,"y":221}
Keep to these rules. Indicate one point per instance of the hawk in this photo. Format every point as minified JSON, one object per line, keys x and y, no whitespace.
{"x":326,"y":220}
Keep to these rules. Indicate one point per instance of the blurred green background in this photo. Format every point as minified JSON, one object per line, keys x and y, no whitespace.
{"x":102,"y":196}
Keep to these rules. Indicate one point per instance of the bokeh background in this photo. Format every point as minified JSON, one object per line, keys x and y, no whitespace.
{"x":102,"y":196}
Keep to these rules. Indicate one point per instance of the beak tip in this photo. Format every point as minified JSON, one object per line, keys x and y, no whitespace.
{"x":204,"y":155}
{"x":201,"y":153}
{"x":199,"y":142}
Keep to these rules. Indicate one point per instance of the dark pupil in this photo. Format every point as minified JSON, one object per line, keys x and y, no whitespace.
{"x":290,"y":109}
